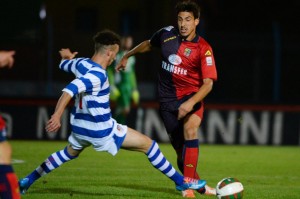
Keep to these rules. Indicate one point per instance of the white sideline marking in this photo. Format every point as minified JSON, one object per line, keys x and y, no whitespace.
{"x":15,"y":161}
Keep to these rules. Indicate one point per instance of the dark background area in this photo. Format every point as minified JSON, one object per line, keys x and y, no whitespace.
{"x":256,"y":44}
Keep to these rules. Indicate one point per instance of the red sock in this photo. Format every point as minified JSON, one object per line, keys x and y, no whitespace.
{"x":191,"y":152}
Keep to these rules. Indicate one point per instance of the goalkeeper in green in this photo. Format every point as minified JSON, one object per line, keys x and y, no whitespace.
{"x":124,"y":90}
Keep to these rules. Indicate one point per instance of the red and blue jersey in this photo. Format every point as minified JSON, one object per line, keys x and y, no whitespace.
{"x":184,"y":64}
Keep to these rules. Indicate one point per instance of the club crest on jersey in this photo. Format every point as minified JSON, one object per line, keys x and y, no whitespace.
{"x":187,"y":52}
{"x":175,"y":59}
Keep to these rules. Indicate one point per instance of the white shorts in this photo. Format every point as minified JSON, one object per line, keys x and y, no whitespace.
{"x":111,"y":143}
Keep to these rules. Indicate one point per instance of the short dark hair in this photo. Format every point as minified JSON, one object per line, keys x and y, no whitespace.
{"x":106,"y":38}
{"x":188,"y":6}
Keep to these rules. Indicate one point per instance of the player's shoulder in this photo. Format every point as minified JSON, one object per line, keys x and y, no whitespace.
{"x":203,"y":42}
{"x":75,"y":61}
{"x":81,"y":59}
{"x":168,"y":29}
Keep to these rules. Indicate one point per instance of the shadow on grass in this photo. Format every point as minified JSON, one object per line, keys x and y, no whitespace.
{"x":130,"y":194}
{"x":147,"y":188}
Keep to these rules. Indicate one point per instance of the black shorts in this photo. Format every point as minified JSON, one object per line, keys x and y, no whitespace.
{"x":169,"y":114}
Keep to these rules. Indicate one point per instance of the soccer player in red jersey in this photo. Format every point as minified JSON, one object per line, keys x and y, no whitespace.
{"x":9,"y":188}
{"x":186,"y":77}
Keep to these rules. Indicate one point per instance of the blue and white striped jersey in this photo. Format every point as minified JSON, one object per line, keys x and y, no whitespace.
{"x":91,"y":114}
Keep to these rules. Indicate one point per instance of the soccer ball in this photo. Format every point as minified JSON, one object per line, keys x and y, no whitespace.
{"x":229,"y":188}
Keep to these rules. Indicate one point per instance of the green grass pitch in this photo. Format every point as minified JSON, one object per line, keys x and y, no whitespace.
{"x":266,"y":172}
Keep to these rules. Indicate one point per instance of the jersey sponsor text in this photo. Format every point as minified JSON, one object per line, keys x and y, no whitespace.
{"x":174,"y":69}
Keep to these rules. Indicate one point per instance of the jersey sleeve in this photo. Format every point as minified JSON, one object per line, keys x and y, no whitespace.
{"x":155,"y":39}
{"x":90,"y":83}
{"x":208,"y":64}
{"x":70,"y":66}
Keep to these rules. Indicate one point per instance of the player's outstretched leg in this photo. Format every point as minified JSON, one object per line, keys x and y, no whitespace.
{"x":158,"y":160}
{"x":51,"y":163}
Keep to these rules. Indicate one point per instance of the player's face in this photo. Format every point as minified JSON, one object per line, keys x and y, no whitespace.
{"x":187,"y":25}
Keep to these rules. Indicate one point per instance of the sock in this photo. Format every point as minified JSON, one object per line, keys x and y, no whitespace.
{"x":190,"y":157}
{"x":180,"y":166}
{"x":159,"y":161}
{"x":190,"y":160}
{"x":52,"y":162}
{"x":9,"y":188}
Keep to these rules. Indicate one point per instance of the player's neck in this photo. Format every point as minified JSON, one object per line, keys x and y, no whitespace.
{"x":99,"y":60}
{"x":191,"y":36}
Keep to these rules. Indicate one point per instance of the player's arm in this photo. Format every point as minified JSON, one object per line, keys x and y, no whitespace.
{"x":143,"y":47}
{"x":188,"y":105}
{"x":54,"y":122}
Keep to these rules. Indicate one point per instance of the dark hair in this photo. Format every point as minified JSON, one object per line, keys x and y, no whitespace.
{"x":188,"y":6}
{"x":106,"y":38}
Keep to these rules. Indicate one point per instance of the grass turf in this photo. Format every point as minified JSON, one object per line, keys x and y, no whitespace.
{"x":265,"y":171}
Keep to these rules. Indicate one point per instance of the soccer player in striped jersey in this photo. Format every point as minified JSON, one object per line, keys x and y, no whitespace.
{"x":185,"y":78}
{"x":91,"y":121}
{"x":9,"y":188}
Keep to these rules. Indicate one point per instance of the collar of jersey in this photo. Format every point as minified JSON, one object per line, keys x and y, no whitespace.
{"x":94,"y":63}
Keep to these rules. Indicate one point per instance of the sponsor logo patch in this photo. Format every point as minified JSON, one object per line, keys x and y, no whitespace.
{"x":170,"y":38}
{"x":175,"y":59}
{"x":209,"y":61}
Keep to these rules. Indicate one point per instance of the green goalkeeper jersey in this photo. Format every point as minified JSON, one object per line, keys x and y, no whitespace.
{"x":124,"y":81}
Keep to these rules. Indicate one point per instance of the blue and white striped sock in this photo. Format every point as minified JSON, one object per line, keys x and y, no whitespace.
{"x":51,"y":163}
{"x":159,"y":161}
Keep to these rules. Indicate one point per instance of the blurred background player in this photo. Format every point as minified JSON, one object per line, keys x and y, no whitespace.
{"x":186,"y":76}
{"x":9,"y":188}
{"x":123,"y":84}
{"x":91,"y":121}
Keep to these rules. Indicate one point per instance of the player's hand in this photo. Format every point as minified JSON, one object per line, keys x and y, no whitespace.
{"x":66,"y":53}
{"x":122,"y":64}
{"x":184,"y":109}
{"x":53,"y":124}
{"x":6,"y":58}
{"x":135,"y":97}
